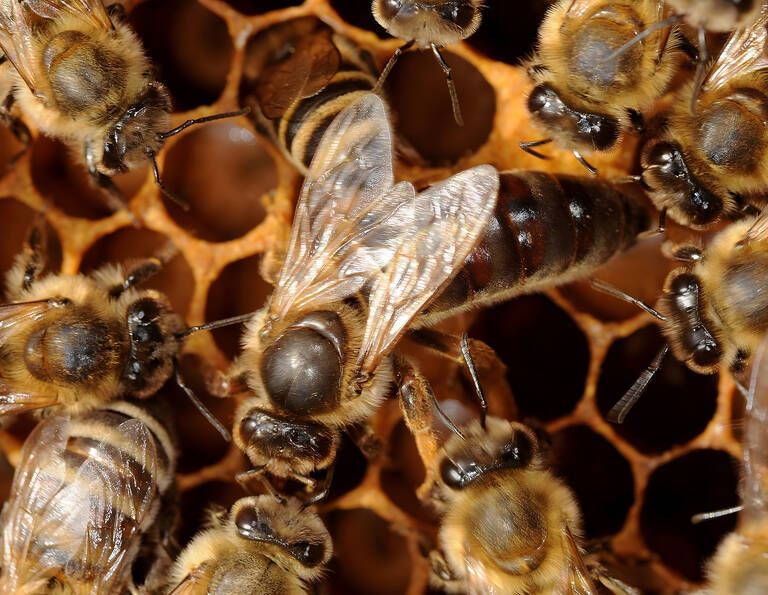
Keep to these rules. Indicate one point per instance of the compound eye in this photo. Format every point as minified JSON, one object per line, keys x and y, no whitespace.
{"x":664,"y":156}
{"x":603,"y":130}
{"x":460,"y":14}
{"x":309,"y":554}
{"x":704,"y":207}
{"x":389,"y":8}
{"x":459,"y":473}
{"x":706,"y":353}
{"x":517,"y":452}
{"x":540,"y":98}
{"x":302,"y":371}
{"x":251,"y":526}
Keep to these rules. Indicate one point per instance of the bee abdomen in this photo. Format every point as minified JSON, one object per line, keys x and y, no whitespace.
{"x":302,"y":126}
{"x":546,"y":229}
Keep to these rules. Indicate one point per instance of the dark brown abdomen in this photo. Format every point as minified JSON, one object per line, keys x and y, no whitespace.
{"x":547,"y":229}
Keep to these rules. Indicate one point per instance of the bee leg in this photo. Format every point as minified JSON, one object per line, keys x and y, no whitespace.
{"x":451,"y":86}
{"x":246,"y":477}
{"x":137,"y":275}
{"x":685,"y":252}
{"x":637,"y":120}
{"x":441,"y":571}
{"x":390,"y":64}
{"x":32,"y":259}
{"x":18,"y":128}
{"x":321,"y":491}
{"x":116,"y":12}
{"x":366,"y":440}
{"x":113,"y":198}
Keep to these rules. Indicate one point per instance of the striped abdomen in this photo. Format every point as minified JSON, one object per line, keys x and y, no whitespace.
{"x":547,"y":229}
{"x":85,"y":491}
{"x":299,"y":130}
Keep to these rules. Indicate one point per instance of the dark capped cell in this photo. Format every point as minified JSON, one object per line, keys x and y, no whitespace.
{"x":364,"y":544}
{"x":700,"y":481}
{"x":128,"y":244}
{"x":189,"y":45}
{"x":676,"y":406}
{"x":358,"y":13}
{"x":238,"y":289}
{"x":222,"y":170}
{"x":422,"y":107}
{"x":62,"y":178}
{"x":14,"y":236}
{"x":547,"y":356}
{"x":599,"y":476}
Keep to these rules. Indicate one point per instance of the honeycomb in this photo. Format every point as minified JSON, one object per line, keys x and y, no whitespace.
{"x":569,"y":354}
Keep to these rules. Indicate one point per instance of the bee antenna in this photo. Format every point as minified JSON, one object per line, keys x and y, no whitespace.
{"x":700,"y":68}
{"x":163,"y":188}
{"x":619,"y":411}
{"x":467,"y":355}
{"x":587,"y":165}
{"x":640,"y":36}
{"x":611,"y":290}
{"x":390,"y":64}
{"x":203,"y":120}
{"x":527,"y":146}
{"x":215,"y":324}
{"x":199,"y":404}
{"x":715,"y":514}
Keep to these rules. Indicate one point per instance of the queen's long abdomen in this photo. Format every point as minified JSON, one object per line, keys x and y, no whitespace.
{"x":547,"y":229}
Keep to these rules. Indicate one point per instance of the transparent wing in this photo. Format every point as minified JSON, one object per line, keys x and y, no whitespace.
{"x":97,"y":496}
{"x":744,"y":52}
{"x":120,"y":493}
{"x":448,"y":219}
{"x":14,"y":317}
{"x":305,"y":72}
{"x":196,"y":582}
{"x":755,"y":497}
{"x":13,"y":402}
{"x":759,"y":230}
{"x":579,"y":8}
{"x":39,"y":477}
{"x":349,"y":217}
{"x":91,"y":12}
{"x":478,"y":582}
{"x":17,"y":39}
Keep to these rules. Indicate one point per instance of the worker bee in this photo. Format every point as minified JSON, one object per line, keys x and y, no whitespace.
{"x":547,"y":229}
{"x":706,"y":164}
{"x":429,"y":24}
{"x":81,"y":75}
{"x":583,"y":96}
{"x":76,"y":341}
{"x":740,"y":564}
{"x":85,"y":491}
{"x":508,"y":524}
{"x":297,"y":77}
{"x":262,"y":546}
{"x":714,"y":310}
{"x":364,"y":259}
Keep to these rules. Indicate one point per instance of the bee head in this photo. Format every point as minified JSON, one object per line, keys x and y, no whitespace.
{"x":153,"y":330}
{"x":673,"y":186}
{"x":297,"y":532}
{"x":266,"y":436}
{"x":446,"y":22}
{"x":584,"y":130}
{"x":505,"y":446}
{"x":128,"y":140}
